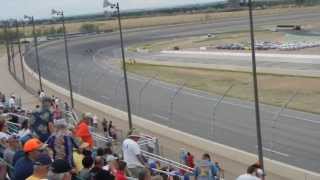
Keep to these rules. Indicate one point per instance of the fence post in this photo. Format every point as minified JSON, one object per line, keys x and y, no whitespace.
{"x":215,"y":109}
{"x":278,"y":115}
{"x":172,"y":100}
{"x":143,"y":88}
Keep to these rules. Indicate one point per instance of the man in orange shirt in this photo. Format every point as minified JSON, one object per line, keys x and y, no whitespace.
{"x":82,"y":131}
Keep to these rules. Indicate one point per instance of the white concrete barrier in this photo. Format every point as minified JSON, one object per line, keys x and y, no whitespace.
{"x":283,"y":170}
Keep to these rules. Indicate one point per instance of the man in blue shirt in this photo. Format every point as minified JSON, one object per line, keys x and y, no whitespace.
{"x":24,"y":166}
{"x":205,"y":169}
{"x":42,"y":121}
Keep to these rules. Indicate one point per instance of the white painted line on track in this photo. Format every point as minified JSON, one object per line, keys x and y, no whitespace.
{"x":275,"y":152}
{"x":161,"y":117}
{"x":105,"y":97}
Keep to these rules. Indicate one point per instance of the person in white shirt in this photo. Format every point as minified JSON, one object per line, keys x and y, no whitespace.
{"x":25,"y":130}
{"x":42,"y":94}
{"x":253,"y":173}
{"x":132,"y":153}
{"x":12,"y":101}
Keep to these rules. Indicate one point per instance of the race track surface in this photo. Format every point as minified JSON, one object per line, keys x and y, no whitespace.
{"x":293,"y":138}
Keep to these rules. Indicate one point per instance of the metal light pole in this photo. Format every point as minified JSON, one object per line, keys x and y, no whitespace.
{"x":35,"y":39}
{"x":19,"y":49}
{"x":255,"y":84}
{"x":12,"y":54}
{"x":7,"y":45}
{"x":124,"y":66}
{"x":61,"y":14}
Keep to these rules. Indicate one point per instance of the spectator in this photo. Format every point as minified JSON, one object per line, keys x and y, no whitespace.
{"x":24,"y":130}
{"x":42,"y":94}
{"x":57,"y":113}
{"x":98,"y":173}
{"x":41,"y":167}
{"x":60,"y":170}
{"x":20,"y":153}
{"x":12,"y":102}
{"x":132,"y":153}
{"x":120,"y":174}
{"x":62,"y":143}
{"x":144,"y":174}
{"x":42,"y":121}
{"x":82,"y":130}
{"x":24,"y":166}
{"x":3,"y":129}
{"x":12,"y":147}
{"x":110,"y":126}
{"x":105,"y":126}
{"x":206,"y":169}
{"x":190,"y":160}
{"x":79,"y":155}
{"x":112,"y":164}
{"x":95,"y":121}
{"x":252,"y":173}
{"x":87,"y":163}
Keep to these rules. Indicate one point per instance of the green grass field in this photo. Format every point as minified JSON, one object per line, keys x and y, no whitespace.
{"x":273,"y":89}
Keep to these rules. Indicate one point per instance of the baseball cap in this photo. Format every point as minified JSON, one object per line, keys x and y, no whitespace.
{"x":134,"y":133}
{"x":111,"y":158}
{"x":60,"y":122}
{"x":33,"y":144}
{"x":13,"y":137}
{"x":60,"y":166}
{"x":43,"y":159}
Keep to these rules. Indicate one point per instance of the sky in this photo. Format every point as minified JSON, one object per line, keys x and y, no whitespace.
{"x":42,"y":8}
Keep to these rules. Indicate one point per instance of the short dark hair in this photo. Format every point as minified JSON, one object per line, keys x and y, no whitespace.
{"x":108,"y":150}
{"x":207,"y":156}
{"x":87,"y":162}
{"x":143,"y":174}
{"x":251,"y":169}
{"x":122,"y":165}
{"x":100,"y":152}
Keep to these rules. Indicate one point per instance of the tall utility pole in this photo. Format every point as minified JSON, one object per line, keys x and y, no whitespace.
{"x":35,"y":39}
{"x":6,"y":34}
{"x":19,"y":49}
{"x":66,"y":53}
{"x":255,"y":86}
{"x":124,"y":66}
{"x":11,"y":42}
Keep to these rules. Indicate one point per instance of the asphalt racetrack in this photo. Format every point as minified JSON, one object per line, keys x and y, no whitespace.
{"x":293,"y":138}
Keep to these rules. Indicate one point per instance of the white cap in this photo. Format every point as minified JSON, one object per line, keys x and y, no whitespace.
{"x":60,"y":122}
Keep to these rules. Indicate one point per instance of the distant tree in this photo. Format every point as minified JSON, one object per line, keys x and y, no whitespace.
{"x":88,"y":28}
{"x":38,"y":32}
{"x":52,"y":31}
{"x":59,"y":30}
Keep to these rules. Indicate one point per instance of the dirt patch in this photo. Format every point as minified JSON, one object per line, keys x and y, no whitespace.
{"x":273,"y":89}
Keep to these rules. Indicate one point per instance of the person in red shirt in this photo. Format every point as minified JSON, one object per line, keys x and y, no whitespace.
{"x":82,"y":131}
{"x":190,"y":160}
{"x":120,"y":175}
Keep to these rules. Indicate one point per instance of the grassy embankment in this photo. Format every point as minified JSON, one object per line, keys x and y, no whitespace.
{"x":273,"y":89}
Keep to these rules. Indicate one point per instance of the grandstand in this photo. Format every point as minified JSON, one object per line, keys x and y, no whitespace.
{"x":13,"y":115}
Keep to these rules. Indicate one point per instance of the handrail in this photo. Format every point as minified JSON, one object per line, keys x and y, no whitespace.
{"x":164,"y":172}
{"x":18,"y":115}
{"x":168,"y":161}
